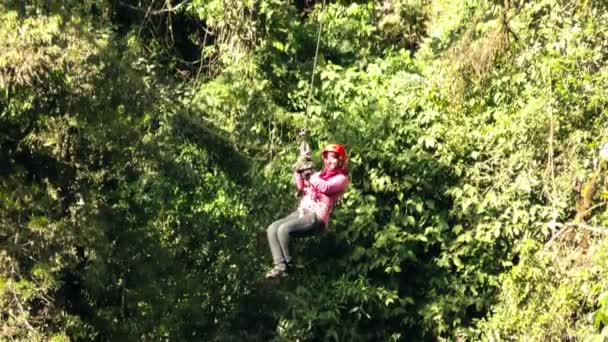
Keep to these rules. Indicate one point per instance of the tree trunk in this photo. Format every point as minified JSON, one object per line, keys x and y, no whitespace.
{"x":22,"y":12}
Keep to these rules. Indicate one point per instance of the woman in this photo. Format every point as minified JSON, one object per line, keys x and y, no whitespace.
{"x":320,"y":192}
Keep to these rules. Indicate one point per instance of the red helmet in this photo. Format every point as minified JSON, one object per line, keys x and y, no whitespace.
{"x":336,"y":148}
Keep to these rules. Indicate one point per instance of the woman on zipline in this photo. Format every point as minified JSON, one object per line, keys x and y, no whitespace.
{"x":321,"y":191}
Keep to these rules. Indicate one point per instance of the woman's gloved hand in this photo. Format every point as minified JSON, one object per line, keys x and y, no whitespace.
{"x":304,"y":164}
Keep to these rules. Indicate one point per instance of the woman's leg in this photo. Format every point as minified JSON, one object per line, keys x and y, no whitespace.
{"x":306,"y":225}
{"x":273,"y":239}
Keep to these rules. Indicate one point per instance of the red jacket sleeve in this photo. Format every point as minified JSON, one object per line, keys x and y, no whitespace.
{"x":297,"y":177}
{"x":331,"y":186}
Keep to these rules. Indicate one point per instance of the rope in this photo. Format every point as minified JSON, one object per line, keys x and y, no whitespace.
{"x":314,"y":67}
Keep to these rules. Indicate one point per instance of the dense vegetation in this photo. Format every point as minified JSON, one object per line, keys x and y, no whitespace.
{"x":145,"y":146}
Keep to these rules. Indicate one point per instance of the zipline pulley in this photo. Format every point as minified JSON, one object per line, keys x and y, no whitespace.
{"x":305,"y":165}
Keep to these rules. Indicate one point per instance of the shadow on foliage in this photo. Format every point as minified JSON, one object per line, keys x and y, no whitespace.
{"x":221,"y":150}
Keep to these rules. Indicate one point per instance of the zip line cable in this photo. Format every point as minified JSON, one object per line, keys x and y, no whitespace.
{"x":305,"y":162}
{"x":314,"y":67}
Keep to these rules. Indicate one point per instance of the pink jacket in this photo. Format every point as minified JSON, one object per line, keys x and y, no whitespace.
{"x":321,"y":195}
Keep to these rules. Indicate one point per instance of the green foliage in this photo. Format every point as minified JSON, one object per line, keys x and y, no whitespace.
{"x":405,"y":22}
{"x":145,"y":147}
{"x":550,"y":295}
{"x":103,"y":208}
{"x":600,"y":317}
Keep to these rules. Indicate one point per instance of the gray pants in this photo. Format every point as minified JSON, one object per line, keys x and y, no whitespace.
{"x":280,"y":232}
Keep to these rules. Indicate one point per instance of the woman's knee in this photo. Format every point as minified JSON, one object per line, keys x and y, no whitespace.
{"x":271,"y":231}
{"x":283,"y":231}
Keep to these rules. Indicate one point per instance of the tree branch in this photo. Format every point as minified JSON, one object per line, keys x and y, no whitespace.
{"x":27,"y":323}
{"x":155,"y":12}
{"x":601,"y":230}
{"x":569,"y":225}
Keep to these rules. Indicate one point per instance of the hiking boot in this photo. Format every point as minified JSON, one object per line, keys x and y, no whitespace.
{"x":276,"y":273}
